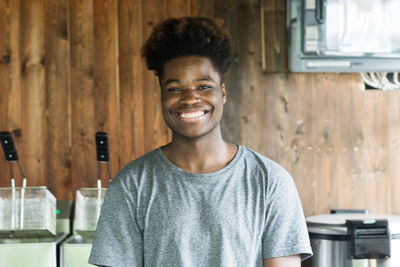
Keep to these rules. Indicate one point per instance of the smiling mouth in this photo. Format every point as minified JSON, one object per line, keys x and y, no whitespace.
{"x":192,"y":115}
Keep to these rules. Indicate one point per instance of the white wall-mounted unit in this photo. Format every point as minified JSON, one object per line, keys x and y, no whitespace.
{"x":344,"y":35}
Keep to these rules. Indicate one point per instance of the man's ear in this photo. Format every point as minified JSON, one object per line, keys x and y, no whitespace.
{"x":223,"y":93}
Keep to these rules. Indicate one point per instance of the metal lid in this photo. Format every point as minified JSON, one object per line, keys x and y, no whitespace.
{"x":335,"y":224}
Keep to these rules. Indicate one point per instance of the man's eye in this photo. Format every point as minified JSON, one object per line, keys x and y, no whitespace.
{"x":203,"y":87}
{"x":174,"y":89}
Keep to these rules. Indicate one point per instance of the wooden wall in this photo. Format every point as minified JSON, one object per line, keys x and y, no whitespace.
{"x":69,"y":68}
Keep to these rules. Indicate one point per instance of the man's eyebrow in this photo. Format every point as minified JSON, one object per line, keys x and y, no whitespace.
{"x":206,"y":78}
{"x":171,"y":81}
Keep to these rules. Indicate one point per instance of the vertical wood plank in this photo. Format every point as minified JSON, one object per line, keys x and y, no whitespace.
{"x":374,"y":169}
{"x":106,"y":84}
{"x":193,"y":7}
{"x":131,"y":80}
{"x":10,"y":79}
{"x":277,"y":116}
{"x":34,"y":129}
{"x":275,"y":39}
{"x":393,"y":149}
{"x":230,"y":120}
{"x":14,"y":101}
{"x":332,"y":144}
{"x":57,"y":98}
{"x":299,"y":116}
{"x":5,"y":86}
{"x":178,"y":8}
{"x":156,"y":132}
{"x":250,"y":74}
{"x":83,"y":121}
{"x":351,"y":140}
{"x":323,"y":144}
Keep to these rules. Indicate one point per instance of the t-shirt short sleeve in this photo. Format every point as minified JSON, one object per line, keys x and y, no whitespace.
{"x":285,"y":230}
{"x":118,"y":240}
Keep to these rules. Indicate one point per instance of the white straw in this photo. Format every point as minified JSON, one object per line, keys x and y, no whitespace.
{"x":21,"y":220}
{"x":98,"y":204}
{"x":12,"y":203}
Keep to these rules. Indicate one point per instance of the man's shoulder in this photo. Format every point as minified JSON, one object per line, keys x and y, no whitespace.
{"x":142,"y":164}
{"x":265,"y":167}
{"x":257,"y":159}
{"x":146,"y":159}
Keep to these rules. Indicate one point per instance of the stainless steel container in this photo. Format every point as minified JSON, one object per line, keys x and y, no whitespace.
{"x":354,"y":240}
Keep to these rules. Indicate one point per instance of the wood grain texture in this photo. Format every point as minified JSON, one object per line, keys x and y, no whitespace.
{"x":10,"y":79}
{"x":275,"y":39}
{"x":5,"y":86}
{"x":322,"y":129}
{"x":155,"y":130}
{"x":130,"y":34}
{"x":58,"y":97}
{"x":251,"y":105}
{"x":106,"y":81}
{"x":33,"y":92}
{"x":393,"y":150}
{"x":230,"y":120}
{"x":178,"y":8}
{"x":83,"y":123}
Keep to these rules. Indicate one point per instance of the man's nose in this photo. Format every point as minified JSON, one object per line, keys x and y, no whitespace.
{"x":190,"y":96}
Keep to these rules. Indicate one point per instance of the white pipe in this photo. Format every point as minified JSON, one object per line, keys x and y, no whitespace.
{"x":98,"y":204}
{"x":12,"y":203}
{"x":21,"y":220}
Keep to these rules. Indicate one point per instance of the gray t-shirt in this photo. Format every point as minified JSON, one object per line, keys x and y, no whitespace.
{"x":156,"y":214}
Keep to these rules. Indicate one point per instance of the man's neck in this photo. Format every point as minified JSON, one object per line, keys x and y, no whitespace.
{"x":202,"y":155}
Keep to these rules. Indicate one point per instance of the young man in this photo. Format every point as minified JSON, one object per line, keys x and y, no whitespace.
{"x":199,"y":200}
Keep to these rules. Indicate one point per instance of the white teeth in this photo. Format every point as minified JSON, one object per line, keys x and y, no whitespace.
{"x":191,"y":114}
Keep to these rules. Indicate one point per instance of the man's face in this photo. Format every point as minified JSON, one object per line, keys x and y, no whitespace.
{"x":192,"y":96}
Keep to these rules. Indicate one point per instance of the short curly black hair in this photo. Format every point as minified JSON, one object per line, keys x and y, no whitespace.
{"x":177,"y":37}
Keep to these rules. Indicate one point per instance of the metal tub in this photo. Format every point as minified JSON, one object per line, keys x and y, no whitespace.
{"x":354,"y":240}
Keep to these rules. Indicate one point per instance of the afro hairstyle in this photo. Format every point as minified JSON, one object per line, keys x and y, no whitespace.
{"x":177,"y":37}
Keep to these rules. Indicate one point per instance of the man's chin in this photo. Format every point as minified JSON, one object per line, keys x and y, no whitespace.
{"x":187,"y":136}
{"x":194,"y":135}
